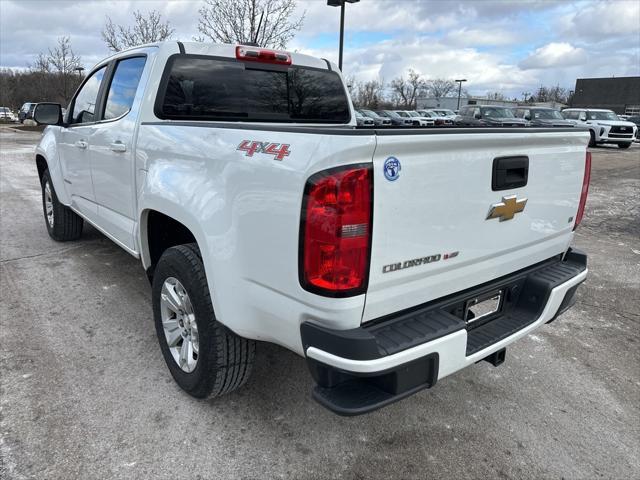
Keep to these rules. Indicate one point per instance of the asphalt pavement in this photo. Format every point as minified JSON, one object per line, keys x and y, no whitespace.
{"x":85,"y":393}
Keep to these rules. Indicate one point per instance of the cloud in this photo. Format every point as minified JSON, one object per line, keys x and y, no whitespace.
{"x":470,"y":37}
{"x":388,"y":59}
{"x":496,"y":44}
{"x":598,"y":19}
{"x":555,"y":55}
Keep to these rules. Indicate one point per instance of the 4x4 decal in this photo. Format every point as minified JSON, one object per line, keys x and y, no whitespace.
{"x":278,"y":150}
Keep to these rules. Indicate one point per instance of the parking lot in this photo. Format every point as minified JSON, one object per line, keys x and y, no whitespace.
{"x":85,"y":392}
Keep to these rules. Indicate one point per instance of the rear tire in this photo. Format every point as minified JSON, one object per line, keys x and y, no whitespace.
{"x":63,"y":224}
{"x":624,"y":145}
{"x":218,"y":361}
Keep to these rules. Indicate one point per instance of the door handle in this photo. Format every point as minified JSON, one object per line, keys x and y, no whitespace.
{"x":81,"y":144}
{"x":118,"y":146}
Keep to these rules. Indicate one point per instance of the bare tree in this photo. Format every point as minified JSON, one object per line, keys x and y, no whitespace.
{"x":41,"y":65}
{"x":146,"y":29}
{"x":268,"y":23}
{"x":440,"y":87}
{"x":369,"y":94}
{"x":496,"y":96}
{"x":63,"y":62}
{"x":405,"y":92}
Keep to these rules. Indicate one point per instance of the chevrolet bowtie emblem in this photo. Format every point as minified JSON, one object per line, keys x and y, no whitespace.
{"x":507,"y":208}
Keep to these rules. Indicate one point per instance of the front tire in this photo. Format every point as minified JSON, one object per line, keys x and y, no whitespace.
{"x":204,"y":357}
{"x":592,"y":138}
{"x":63,"y":224}
{"x":624,"y":145}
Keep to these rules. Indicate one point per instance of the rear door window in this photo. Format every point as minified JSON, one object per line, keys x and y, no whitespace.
{"x":205,"y":88}
{"x":123,"y":87}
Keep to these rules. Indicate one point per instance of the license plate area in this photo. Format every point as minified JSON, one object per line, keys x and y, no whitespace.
{"x":483,"y":307}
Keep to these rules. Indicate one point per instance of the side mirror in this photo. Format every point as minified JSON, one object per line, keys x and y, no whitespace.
{"x":583,"y":118}
{"x":48,"y":114}
{"x":527,"y":117}
{"x":478,"y":116}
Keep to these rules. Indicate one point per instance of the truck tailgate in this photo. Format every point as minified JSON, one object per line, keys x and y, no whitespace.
{"x":431,"y":236}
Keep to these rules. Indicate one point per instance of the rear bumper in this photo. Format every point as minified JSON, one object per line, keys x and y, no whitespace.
{"x":366,"y":368}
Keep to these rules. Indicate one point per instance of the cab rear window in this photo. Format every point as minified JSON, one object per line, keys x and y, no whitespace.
{"x":205,"y":88}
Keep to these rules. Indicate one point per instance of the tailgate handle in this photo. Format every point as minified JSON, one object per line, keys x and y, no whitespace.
{"x":509,"y":172}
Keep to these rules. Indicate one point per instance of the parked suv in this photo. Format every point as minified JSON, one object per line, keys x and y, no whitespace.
{"x":417,"y":119}
{"x":363,"y":121}
{"x":26,"y":111}
{"x":438,"y":120}
{"x":604,"y":126}
{"x":6,"y":115}
{"x":396,"y":119}
{"x":636,"y":121}
{"x":379,"y":121}
{"x":488,"y":116}
{"x":542,"y":117}
{"x":445,"y":113}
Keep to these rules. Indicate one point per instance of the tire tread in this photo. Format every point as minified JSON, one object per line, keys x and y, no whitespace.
{"x":231,"y":355}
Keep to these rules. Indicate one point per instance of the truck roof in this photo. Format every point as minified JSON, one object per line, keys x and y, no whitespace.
{"x":223,"y":50}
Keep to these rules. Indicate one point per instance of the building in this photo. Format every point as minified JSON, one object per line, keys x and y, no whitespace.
{"x":451,"y":103}
{"x":620,"y":94}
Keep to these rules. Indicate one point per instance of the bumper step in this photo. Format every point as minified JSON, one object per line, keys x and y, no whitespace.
{"x":524,"y":295}
{"x":527,"y":309}
{"x":348,"y":395}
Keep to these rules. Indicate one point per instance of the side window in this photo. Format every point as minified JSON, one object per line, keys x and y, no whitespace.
{"x":123,"y":87}
{"x":570,"y":115}
{"x":476,"y":112}
{"x":84,"y":106}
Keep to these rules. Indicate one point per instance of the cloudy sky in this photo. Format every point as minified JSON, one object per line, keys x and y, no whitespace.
{"x":509,"y":46}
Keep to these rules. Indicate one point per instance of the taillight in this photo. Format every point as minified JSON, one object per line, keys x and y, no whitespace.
{"x":335,"y":231}
{"x":585,"y":190}
{"x":262,"y":55}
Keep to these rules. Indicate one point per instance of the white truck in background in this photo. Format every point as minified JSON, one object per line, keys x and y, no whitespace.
{"x":388,"y":258}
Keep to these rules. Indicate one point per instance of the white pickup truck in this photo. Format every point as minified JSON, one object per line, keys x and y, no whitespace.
{"x":388,"y":258}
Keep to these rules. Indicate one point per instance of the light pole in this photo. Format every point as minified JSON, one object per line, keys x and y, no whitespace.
{"x":340,"y":3}
{"x":459,"y":82}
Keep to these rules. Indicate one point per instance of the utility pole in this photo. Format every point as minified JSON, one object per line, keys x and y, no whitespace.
{"x":459,"y":82}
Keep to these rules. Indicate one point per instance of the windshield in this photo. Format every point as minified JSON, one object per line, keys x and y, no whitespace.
{"x":497,"y":112}
{"x":414,"y":114}
{"x":602,"y":116}
{"x":402,"y":114}
{"x":445,"y":113}
{"x":371,"y":114}
{"x":547,"y":114}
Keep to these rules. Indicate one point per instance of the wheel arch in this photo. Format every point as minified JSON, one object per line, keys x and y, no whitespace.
{"x":47,"y":158}
{"x":41,"y":165}
{"x":160,"y":230}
